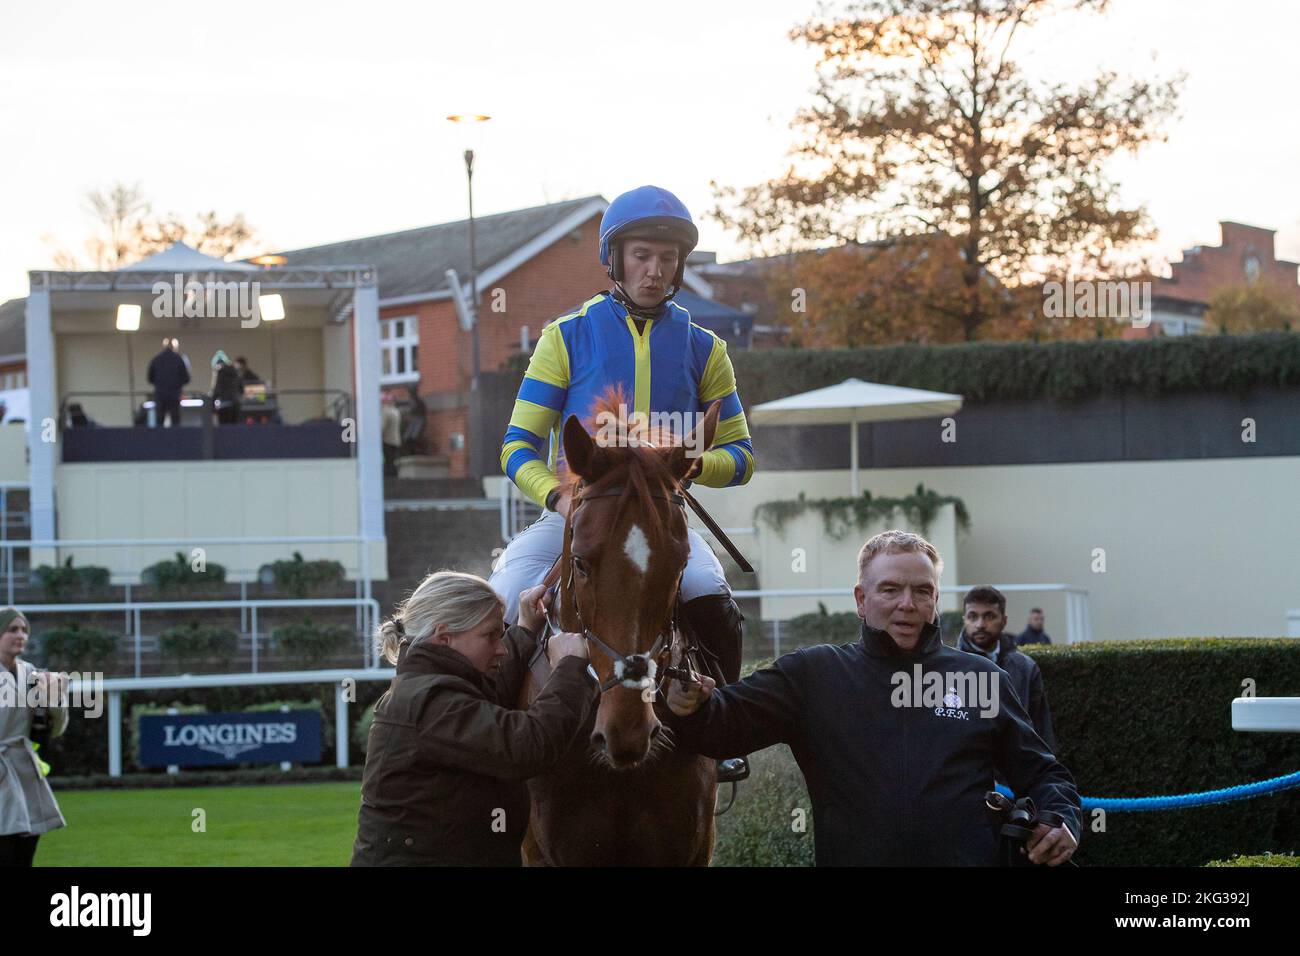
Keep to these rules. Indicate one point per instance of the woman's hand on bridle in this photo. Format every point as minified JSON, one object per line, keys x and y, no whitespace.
{"x":565,"y":644}
{"x":533,"y":605}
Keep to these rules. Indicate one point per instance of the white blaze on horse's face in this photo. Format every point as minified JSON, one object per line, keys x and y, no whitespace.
{"x":637,"y":549}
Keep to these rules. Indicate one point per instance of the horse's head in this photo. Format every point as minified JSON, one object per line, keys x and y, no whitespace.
{"x":625,"y":548}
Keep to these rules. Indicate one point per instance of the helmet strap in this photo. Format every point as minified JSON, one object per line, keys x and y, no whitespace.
{"x":638,"y":311}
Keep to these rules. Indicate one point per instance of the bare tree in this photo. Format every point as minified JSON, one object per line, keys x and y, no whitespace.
{"x":126,"y":232}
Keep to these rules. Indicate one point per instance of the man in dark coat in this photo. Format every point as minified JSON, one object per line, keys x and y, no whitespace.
{"x":1034,"y":633}
{"x":448,"y":755}
{"x":984,"y":615}
{"x":898,"y":736}
{"x":168,"y":375}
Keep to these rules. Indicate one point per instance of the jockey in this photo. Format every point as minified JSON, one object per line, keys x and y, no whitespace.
{"x":636,"y":337}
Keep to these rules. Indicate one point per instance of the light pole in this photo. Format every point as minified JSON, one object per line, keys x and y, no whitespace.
{"x":473,"y":261}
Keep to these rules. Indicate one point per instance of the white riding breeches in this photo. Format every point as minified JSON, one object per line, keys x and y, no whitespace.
{"x":529,"y":556}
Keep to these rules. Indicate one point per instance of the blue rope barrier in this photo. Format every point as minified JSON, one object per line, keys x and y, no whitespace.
{"x":1183,"y":801}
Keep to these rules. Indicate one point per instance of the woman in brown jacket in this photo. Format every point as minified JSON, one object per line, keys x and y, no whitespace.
{"x":448,"y":754}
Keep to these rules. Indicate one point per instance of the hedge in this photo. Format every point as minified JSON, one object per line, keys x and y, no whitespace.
{"x":1016,"y":371}
{"x":1148,"y":718}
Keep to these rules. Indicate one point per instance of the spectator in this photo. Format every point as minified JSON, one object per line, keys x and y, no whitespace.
{"x":168,"y":375}
{"x":1034,"y":633}
{"x":226,"y":389}
{"x":390,"y":421}
{"x":27,"y":804}
{"x":413,"y":440}
{"x":246,"y":375}
{"x":983,"y":622}
{"x":896,"y":773}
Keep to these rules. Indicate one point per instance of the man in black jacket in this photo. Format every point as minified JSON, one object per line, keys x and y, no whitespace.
{"x":984,"y":615}
{"x":168,"y":375}
{"x":898,"y":736}
{"x":1034,"y":633}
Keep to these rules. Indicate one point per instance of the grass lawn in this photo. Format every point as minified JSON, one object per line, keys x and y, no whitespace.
{"x":310,"y":824}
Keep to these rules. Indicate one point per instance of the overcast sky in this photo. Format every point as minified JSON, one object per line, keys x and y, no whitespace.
{"x":325,"y":121}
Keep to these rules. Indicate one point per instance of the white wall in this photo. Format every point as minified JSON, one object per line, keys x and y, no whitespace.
{"x":1207,"y":547}
{"x":213,"y":499}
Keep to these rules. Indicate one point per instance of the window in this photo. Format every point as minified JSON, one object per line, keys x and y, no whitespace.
{"x":399,"y":347}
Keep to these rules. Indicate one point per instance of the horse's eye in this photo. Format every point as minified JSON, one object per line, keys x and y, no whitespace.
{"x":581,"y":566}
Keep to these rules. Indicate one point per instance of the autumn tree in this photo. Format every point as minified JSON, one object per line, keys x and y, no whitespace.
{"x":926,"y":137}
{"x":126,"y":230}
{"x":1253,"y":307}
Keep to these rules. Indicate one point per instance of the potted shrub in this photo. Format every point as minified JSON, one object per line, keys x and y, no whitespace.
{"x":299,"y":578}
{"x":64,"y":582}
{"x":178,"y":578}
{"x":306,"y":643}
{"x":78,"y":647}
{"x":194,"y":643}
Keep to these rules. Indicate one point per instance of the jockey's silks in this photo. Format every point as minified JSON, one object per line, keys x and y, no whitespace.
{"x":670,"y":366}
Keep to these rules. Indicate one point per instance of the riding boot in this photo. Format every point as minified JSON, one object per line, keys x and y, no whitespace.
{"x":718,"y":626}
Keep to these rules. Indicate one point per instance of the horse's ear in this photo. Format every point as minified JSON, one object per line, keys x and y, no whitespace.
{"x":584,"y":457}
{"x":696,"y":443}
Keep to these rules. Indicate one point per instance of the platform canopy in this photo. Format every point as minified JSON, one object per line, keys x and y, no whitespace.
{"x":853,"y":402}
{"x":178,"y":257}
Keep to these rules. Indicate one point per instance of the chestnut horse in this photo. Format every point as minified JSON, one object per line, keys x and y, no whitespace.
{"x":622,"y":795}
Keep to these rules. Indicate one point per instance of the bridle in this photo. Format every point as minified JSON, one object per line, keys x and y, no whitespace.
{"x":636,"y":671}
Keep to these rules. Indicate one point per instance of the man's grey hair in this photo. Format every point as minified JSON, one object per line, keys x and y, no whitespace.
{"x":896,"y":542}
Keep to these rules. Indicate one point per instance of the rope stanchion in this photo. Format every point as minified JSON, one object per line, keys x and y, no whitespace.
{"x":1182,"y":801}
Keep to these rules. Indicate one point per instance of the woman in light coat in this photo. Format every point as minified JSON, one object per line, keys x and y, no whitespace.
{"x":27,"y":804}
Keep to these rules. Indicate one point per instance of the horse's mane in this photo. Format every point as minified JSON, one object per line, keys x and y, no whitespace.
{"x":640,"y":463}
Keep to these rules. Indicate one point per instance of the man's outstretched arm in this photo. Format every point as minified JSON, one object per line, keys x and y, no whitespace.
{"x":757,"y":712}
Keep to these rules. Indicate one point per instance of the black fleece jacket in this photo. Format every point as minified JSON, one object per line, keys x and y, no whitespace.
{"x":890,"y":785}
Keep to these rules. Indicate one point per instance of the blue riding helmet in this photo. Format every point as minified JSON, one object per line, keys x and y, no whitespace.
{"x":647,"y":212}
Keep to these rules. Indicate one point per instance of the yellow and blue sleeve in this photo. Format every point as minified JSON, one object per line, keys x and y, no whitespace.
{"x":537,"y":411}
{"x":731,"y":459}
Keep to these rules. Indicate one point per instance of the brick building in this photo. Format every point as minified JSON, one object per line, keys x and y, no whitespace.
{"x":1245,"y":254}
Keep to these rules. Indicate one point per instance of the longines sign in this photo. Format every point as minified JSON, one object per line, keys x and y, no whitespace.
{"x":195,"y":740}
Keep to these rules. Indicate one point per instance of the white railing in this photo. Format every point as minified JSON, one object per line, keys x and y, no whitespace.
{"x":363,"y":584}
{"x":368,"y":611}
{"x":517,"y":511}
{"x":116,"y":687}
{"x":1078,"y":611}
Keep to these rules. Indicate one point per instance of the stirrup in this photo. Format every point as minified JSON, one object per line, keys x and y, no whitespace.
{"x":733,"y":769}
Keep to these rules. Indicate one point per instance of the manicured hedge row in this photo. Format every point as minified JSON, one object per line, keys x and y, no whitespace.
{"x":1009,"y":371}
{"x":1148,"y":718}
